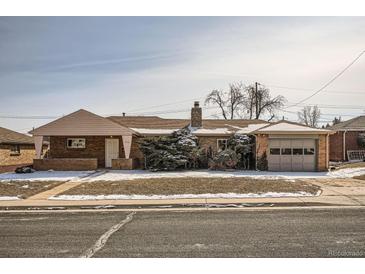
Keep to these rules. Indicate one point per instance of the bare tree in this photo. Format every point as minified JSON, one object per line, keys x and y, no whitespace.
{"x":336,"y":120}
{"x":309,"y":116}
{"x":228,"y":102}
{"x":259,"y":102}
{"x":250,"y":102}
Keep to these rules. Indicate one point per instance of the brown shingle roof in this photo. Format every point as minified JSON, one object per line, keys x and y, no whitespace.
{"x":8,"y":136}
{"x":357,"y":123}
{"x":154,"y":122}
{"x":81,"y":123}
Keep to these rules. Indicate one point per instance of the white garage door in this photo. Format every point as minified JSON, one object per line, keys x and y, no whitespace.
{"x":292,"y":155}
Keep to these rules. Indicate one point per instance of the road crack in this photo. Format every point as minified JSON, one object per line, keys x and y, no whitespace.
{"x":100,"y":243}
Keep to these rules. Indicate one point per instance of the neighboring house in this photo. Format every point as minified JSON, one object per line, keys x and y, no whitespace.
{"x":345,"y":144}
{"x":83,"y":140}
{"x":16,"y":150}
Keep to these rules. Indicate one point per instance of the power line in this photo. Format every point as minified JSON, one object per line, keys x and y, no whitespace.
{"x":360,"y":92}
{"x":331,"y":81}
{"x":168,"y":104}
{"x":353,"y":107}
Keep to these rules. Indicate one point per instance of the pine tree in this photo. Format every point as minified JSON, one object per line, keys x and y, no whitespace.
{"x":169,"y":152}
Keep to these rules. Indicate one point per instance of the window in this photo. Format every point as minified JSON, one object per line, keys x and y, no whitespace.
{"x":286,"y":151}
{"x":274,"y":151}
{"x":76,"y":143}
{"x":297,"y":151}
{"x":309,"y":151}
{"x":221,"y":144}
{"x":15,"y":150}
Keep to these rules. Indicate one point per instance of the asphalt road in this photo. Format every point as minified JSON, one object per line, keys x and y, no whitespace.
{"x":273,"y":233}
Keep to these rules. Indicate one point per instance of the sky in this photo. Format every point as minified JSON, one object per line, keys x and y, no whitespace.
{"x":52,"y":66}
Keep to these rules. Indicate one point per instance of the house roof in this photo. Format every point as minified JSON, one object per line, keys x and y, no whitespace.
{"x":357,"y":123}
{"x":8,"y":136}
{"x":154,"y":126}
{"x":154,"y":122}
{"x":287,"y":127}
{"x":149,"y":122}
{"x":82,"y":123}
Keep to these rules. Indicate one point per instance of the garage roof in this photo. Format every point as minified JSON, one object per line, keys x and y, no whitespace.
{"x":286,"y":127}
{"x":357,"y":123}
{"x":82,"y":123}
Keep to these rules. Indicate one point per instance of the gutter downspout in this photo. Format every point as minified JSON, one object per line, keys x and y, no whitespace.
{"x":327,"y":151}
{"x":344,"y":145}
{"x":255,"y":152}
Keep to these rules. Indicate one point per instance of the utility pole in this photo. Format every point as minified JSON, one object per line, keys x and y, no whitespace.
{"x":257,"y":99}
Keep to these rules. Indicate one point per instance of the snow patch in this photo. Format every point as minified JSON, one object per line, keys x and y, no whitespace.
{"x":118,"y":175}
{"x":181,"y":196}
{"x":9,"y":198}
{"x":43,"y":176}
{"x":213,"y":131}
{"x":155,"y":131}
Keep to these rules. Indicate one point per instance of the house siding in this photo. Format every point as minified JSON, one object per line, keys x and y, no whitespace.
{"x":207,"y":142}
{"x":322,"y":153}
{"x":262,"y":145}
{"x":336,"y":144}
{"x":336,"y":147}
{"x":9,"y":162}
{"x":95,"y":148}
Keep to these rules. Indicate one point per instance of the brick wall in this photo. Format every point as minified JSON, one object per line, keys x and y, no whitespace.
{"x":351,"y":140}
{"x":336,"y":146}
{"x":26,"y":156}
{"x":209,"y":142}
{"x":65,"y":164}
{"x":126,"y":164}
{"x":262,"y":145}
{"x":95,"y":148}
{"x":322,"y":153}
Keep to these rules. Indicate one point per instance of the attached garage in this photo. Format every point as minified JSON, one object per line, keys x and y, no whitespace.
{"x":292,"y":155}
{"x":288,"y":146}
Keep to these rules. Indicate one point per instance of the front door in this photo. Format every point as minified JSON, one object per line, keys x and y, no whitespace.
{"x":111,"y":151}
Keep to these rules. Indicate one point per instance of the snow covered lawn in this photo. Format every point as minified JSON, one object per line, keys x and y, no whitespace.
{"x":177,"y":188}
{"x":182,"y":196}
{"x":43,"y":176}
{"x":9,"y":198}
{"x":118,"y":175}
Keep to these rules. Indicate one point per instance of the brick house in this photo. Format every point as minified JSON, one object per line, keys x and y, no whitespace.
{"x":345,"y":144}
{"x":83,"y":140}
{"x":16,"y":150}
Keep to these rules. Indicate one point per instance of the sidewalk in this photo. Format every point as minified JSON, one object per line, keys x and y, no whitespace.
{"x":342,"y":196}
{"x":340,"y":192}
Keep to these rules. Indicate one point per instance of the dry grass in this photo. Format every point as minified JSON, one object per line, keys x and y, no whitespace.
{"x":25,"y":189}
{"x":351,"y":165}
{"x":171,"y":186}
{"x":361,"y":177}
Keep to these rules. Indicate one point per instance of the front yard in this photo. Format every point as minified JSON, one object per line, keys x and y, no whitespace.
{"x":13,"y":190}
{"x":189,"y":188}
{"x":142,"y":184}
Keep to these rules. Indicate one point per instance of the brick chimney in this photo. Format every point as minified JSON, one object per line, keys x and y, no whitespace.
{"x":196,"y":115}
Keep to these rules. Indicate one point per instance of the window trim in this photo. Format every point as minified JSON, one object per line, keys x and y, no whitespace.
{"x":276,"y":148}
{"x":75,"y":147}
{"x":226,"y":143}
{"x":15,"y":152}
